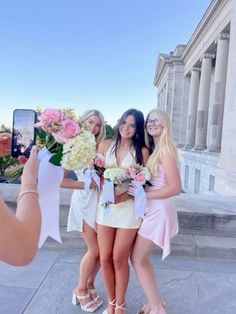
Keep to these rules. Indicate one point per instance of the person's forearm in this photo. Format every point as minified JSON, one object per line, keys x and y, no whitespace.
{"x":165,"y":192}
{"x":19,"y":234}
{"x":29,"y":215}
{"x":72,"y":184}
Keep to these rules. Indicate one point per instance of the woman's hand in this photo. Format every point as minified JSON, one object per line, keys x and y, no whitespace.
{"x":121,"y":197}
{"x":5,"y":144}
{"x":30,"y":171}
{"x":93,"y":184}
{"x":131,"y":190}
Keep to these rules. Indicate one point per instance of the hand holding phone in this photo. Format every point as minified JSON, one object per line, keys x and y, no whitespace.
{"x":23,"y":132}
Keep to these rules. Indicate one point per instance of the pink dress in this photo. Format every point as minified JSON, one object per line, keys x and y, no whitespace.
{"x":160,"y":222}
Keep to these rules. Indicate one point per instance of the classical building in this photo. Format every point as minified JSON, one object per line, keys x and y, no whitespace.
{"x":196,"y":84}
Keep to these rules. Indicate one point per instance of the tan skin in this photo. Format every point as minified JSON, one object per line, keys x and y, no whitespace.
{"x":143,"y":247}
{"x":89,"y":264}
{"x":19,"y":233}
{"x":116,"y":243}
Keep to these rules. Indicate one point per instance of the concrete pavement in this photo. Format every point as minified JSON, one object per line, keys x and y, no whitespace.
{"x":189,"y":286}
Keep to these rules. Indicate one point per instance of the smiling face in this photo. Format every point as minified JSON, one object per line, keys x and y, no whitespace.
{"x":94,"y":124}
{"x":153,"y":125}
{"x":128,"y":128}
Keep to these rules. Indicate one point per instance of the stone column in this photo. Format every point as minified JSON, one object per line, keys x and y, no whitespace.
{"x":177,"y":97}
{"x":159,"y":100}
{"x":216,"y":119}
{"x":184,"y":111}
{"x":203,"y":101}
{"x":192,"y":108}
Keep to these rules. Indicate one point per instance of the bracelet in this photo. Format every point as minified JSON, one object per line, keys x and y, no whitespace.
{"x":25,"y":192}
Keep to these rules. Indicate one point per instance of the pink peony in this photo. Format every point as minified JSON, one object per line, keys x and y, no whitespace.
{"x":69,"y":128}
{"x":132,"y":172}
{"x":59,"y":137}
{"x":140,"y":178}
{"x":99,"y":162}
{"x":50,"y":115}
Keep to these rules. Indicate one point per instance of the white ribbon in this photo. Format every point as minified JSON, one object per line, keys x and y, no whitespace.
{"x":90,"y":174}
{"x":108,"y":195}
{"x":49,"y":180}
{"x":139,"y":200}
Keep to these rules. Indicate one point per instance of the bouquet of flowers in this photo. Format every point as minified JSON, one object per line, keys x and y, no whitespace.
{"x":71,"y":145}
{"x":115,"y":186}
{"x":140,"y":174}
{"x":97,"y":164}
{"x":94,"y":170}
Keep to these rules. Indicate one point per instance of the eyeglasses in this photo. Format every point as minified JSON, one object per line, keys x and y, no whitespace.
{"x":153,"y":122}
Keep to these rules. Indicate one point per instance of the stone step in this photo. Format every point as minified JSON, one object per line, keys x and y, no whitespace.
{"x":191,"y":222}
{"x":183,"y":245}
{"x":207,"y":224}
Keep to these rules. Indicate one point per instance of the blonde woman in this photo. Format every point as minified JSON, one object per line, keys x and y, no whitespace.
{"x":160,"y":222}
{"x":82,"y":217}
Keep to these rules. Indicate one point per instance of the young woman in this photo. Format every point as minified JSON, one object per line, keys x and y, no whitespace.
{"x":117,"y":228}
{"x":82,"y":217}
{"x":160,"y":222}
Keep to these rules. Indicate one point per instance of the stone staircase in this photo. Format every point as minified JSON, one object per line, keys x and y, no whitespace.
{"x":207,"y":226}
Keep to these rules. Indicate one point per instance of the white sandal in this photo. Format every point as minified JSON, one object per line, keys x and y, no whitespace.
{"x":120,"y":307}
{"x":97,"y":299}
{"x":145,"y":310}
{"x":113,"y":302}
{"x":90,"y":306}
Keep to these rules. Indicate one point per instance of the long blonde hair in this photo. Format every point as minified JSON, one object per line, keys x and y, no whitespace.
{"x":165,"y":144}
{"x":102,"y":134}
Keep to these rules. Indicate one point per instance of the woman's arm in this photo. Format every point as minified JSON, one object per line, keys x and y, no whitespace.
{"x":69,"y":183}
{"x":19,"y":233}
{"x":173,"y":180}
{"x":145,"y":154}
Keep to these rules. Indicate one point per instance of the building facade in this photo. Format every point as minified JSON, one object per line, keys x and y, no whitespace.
{"x":196,"y":85}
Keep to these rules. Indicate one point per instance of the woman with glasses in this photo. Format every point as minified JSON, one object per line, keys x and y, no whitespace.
{"x":160,"y":221}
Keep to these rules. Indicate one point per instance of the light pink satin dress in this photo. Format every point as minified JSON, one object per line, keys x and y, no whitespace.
{"x":160,"y":222}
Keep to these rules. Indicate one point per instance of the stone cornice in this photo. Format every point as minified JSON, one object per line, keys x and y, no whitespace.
{"x":214,"y":5}
{"x":162,"y":62}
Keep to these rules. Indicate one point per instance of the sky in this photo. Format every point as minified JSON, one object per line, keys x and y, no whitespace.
{"x":88,"y":54}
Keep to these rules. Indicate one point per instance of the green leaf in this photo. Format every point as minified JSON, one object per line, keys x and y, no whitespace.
{"x":56,"y":159}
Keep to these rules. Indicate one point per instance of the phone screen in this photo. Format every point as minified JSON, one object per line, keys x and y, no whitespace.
{"x":23,"y":132}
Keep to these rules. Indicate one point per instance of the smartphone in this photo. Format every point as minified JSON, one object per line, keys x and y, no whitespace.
{"x":23,"y":132}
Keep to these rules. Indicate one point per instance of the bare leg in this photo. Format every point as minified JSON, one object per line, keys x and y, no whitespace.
{"x":89,"y":262}
{"x":122,"y":247}
{"x":106,"y":236}
{"x":145,"y":273}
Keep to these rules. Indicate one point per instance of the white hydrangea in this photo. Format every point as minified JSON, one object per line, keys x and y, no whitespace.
{"x":147,"y":174}
{"x":114,"y":174}
{"x":78,"y":151}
